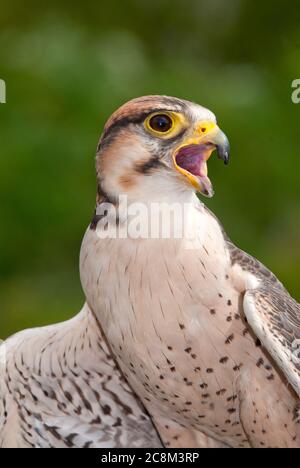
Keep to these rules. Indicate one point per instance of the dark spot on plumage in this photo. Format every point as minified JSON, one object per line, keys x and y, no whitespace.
{"x":53,"y":430}
{"x":118,"y":422}
{"x":205,"y":250}
{"x":232,"y":398}
{"x":229,"y":339}
{"x":181,"y":325}
{"x":296,"y":412}
{"x":212,"y":311}
{"x":257,"y":343}
{"x":96,"y":420}
{"x":87,"y":444}
{"x":237,"y":367}
{"x":223,"y":360}
{"x":209,"y":370}
{"x":188,"y":350}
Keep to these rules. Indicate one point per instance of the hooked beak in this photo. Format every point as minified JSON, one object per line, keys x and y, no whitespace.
{"x":190,"y":159}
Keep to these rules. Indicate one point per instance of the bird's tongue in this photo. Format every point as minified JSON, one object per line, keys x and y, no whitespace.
{"x":192,"y":158}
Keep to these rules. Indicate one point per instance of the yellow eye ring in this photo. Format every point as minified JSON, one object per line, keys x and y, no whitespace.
{"x":160,"y":123}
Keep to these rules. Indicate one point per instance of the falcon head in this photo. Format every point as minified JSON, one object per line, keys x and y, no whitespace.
{"x":157,"y":144}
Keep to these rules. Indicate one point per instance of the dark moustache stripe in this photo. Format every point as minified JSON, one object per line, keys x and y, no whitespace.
{"x":148,"y":166}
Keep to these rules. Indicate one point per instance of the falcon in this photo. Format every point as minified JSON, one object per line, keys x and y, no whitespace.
{"x":206,"y":336}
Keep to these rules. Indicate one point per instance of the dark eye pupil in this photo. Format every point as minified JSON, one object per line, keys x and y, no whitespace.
{"x":161,"y":123}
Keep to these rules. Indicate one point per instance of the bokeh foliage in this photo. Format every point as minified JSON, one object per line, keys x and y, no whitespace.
{"x":67,"y":66}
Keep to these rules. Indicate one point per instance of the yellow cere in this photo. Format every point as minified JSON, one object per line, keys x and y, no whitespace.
{"x":204,"y":127}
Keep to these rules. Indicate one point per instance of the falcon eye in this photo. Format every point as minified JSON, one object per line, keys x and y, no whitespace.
{"x":161,"y":123}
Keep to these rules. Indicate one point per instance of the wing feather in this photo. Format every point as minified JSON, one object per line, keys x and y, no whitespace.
{"x":273,"y":315}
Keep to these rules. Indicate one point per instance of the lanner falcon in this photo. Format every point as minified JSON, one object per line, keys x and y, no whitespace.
{"x":205,"y":335}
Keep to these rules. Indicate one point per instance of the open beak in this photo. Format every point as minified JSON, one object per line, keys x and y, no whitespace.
{"x":190,"y":159}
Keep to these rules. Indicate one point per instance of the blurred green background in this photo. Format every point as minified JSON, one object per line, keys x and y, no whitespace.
{"x":67,"y":66}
